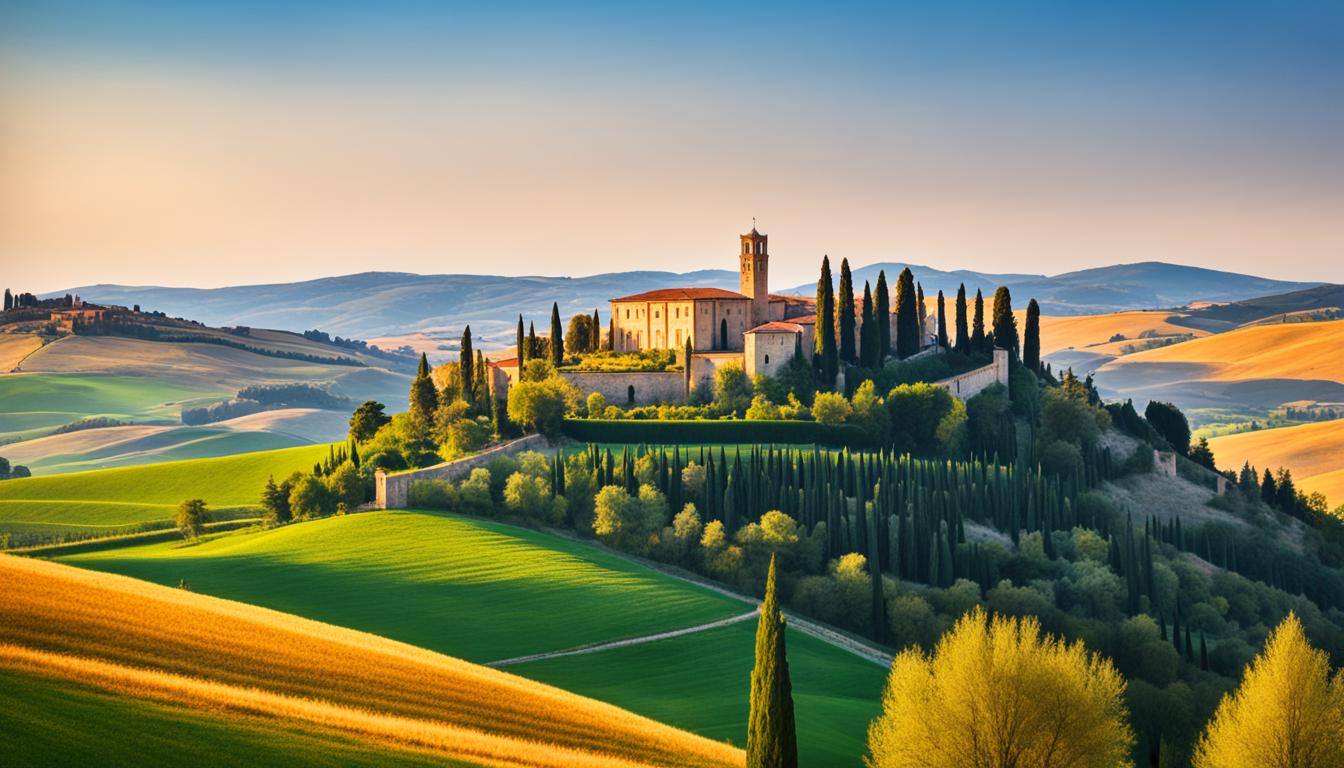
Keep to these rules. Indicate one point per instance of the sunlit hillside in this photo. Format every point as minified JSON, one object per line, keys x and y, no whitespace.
{"x":1285,"y":351}
{"x":173,"y":646}
{"x":1086,"y":331}
{"x":1314,"y":453}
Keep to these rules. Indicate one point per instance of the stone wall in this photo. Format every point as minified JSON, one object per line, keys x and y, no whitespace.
{"x":647,"y":387}
{"x":969,"y":384}
{"x":391,"y":489}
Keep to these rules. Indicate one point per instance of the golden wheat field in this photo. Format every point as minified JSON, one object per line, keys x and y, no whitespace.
{"x":16,"y":346}
{"x":1285,"y":351}
{"x":1314,"y":452}
{"x":1084,"y":331}
{"x":175,"y":646}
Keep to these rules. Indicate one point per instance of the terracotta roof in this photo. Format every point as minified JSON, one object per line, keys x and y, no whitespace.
{"x":777,"y":327}
{"x":802,"y":320}
{"x":682,"y":294}
{"x":511,"y":362}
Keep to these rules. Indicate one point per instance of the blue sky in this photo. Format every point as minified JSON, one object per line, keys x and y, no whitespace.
{"x":208,"y":144}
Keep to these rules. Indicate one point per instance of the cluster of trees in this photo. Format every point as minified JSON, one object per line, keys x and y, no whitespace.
{"x":12,"y":472}
{"x":335,"y":486}
{"x":265,"y":397}
{"x":403,"y":354}
{"x":122,"y":326}
{"x":15,"y":301}
{"x":582,"y":336}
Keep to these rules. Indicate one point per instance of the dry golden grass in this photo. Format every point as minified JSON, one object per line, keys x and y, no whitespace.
{"x":14,"y":347}
{"x":1286,"y":351}
{"x":1096,"y":330}
{"x":1314,"y":452}
{"x":178,"y":646}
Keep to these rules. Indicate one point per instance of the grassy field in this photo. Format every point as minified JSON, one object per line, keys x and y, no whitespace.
{"x":173,"y":646}
{"x":111,"y":447}
{"x":484,"y":591}
{"x":107,"y":500}
{"x":699,"y":682}
{"x":36,"y":403}
{"x":1314,"y":452}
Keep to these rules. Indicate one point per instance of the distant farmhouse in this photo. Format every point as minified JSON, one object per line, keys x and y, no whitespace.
{"x":752,"y":328}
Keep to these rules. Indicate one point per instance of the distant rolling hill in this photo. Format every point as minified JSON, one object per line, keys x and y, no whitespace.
{"x":1314,"y":452}
{"x":430,"y":310}
{"x":1320,"y":302}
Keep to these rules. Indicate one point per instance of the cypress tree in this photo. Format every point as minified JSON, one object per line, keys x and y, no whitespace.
{"x":978,"y":324}
{"x":1203,"y":653}
{"x":522,"y":347}
{"x":772,"y":740}
{"x":844,"y":303}
{"x":479,"y":384}
{"x":920,"y":309}
{"x":825,"y":359}
{"x":533,"y":343}
{"x":1031,"y":342}
{"x":942,"y":322}
{"x":1268,"y":491}
{"x":1005,"y":325}
{"x":424,"y":396}
{"x":867,"y":331}
{"x":9,"y":300}
{"x":557,"y":337}
{"x":907,"y":316}
{"x":595,"y":342}
{"x":963,"y":343}
{"x":883,"y":318}
{"x":467,"y":366}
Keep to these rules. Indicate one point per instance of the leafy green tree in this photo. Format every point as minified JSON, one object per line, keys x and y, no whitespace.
{"x":1170,"y":423}
{"x":963,"y":343}
{"x":825,"y":359}
{"x":344,"y":486}
{"x":869,"y":412}
{"x":907,"y":316}
{"x":309,"y":498}
{"x":542,"y":405}
{"x":916,"y":410}
{"x":557,"y":336}
{"x":732,"y":389}
{"x":579,"y":334}
{"x":191,"y":518}
{"x":997,"y":693}
{"x":883,"y":317}
{"x":424,"y":396}
{"x":367,"y":419}
{"x":831,"y":408}
{"x":844,"y":305}
{"x":1288,"y":711}
{"x":942,"y":322}
{"x":1005,"y":325}
{"x":772,"y":739}
{"x":275,"y":500}
{"x":467,"y":365}
{"x":867,"y":331}
{"x":978,"y":342}
{"x":1031,"y":343}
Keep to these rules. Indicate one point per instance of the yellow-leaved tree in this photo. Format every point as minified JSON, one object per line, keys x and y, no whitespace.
{"x":1288,"y":711}
{"x":998,"y":693}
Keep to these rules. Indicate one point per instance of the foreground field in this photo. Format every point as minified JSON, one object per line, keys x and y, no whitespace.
{"x":168,"y":645}
{"x":1314,"y":452}
{"x":486,"y":592}
{"x":110,"y":500}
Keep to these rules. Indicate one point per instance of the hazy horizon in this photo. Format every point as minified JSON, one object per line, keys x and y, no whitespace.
{"x":148,"y":143}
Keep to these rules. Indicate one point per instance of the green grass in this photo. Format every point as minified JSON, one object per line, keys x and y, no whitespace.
{"x":700,"y":682}
{"x":174,"y":445}
{"x":48,"y":722}
{"x":106,"y":501}
{"x":469,"y":588}
{"x":35,"y":403}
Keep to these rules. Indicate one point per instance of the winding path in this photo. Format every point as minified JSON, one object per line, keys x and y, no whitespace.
{"x":597,"y":647}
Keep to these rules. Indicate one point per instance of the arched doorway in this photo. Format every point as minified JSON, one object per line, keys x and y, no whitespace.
{"x":723,"y":334}
{"x":630,"y":395}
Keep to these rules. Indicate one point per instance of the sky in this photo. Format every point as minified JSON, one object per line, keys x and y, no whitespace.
{"x":202,"y":144}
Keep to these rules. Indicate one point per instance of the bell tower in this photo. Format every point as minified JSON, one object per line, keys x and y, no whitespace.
{"x":754,"y":259}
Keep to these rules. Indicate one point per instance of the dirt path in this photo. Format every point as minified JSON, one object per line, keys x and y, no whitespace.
{"x":598,"y":647}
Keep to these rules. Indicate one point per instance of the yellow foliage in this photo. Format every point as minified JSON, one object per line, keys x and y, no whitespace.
{"x":996,"y":693}
{"x":1287,"y":713}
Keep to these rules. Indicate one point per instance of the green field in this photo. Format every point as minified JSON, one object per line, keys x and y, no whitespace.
{"x":36,"y":403}
{"x":485,"y":591}
{"x":699,"y":682}
{"x":48,"y":722}
{"x":177,"y":444}
{"x":106,"y":501}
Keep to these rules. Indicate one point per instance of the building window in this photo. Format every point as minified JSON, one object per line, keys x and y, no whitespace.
{"x":767,"y":359}
{"x":627,"y":314}
{"x":656,"y":315}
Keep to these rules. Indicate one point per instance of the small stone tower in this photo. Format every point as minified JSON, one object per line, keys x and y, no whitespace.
{"x":755,"y":261}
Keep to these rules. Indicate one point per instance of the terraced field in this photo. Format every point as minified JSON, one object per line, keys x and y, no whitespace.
{"x":485,"y":592}
{"x":171,"y":646}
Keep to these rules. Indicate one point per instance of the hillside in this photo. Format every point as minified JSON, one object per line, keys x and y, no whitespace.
{"x":473,"y":589}
{"x":1314,"y":453}
{"x":1322,"y":299}
{"x":1092,"y":334}
{"x":172,"y":646}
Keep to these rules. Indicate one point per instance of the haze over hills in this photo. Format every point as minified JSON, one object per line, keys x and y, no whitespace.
{"x":430,"y":310}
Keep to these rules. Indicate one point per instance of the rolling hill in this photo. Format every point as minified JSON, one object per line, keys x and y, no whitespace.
{"x":1314,"y":452}
{"x":145,"y":642}
{"x":475,"y":589}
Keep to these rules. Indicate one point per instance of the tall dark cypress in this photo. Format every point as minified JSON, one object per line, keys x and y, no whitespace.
{"x":424,"y":396}
{"x":978,"y":324}
{"x":595,"y":342}
{"x":867,"y":330}
{"x":883,"y":317}
{"x":772,"y":740}
{"x":467,"y":366}
{"x":907,"y":316}
{"x":1031,"y":341}
{"x":9,"y":300}
{"x":844,"y":306}
{"x":557,"y":337}
{"x":920,"y":309}
{"x":942,"y":322}
{"x":1005,"y":325}
{"x":533,"y":343}
{"x":522,"y":347}
{"x":963,"y":343}
{"x":825,"y":359}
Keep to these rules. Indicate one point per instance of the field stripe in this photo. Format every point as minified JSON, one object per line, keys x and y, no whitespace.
{"x":597,"y":647}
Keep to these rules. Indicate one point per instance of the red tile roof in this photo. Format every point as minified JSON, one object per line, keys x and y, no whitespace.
{"x":802,"y":320}
{"x":777,"y":327}
{"x":682,"y":294}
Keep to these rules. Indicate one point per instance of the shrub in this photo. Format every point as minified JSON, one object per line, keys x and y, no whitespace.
{"x":529,"y":496}
{"x":713,"y":431}
{"x":191,"y":518}
{"x":597,"y":404}
{"x":763,"y":410}
{"x":916,"y":410}
{"x":433,"y":494}
{"x":474,"y":492}
{"x":310,"y":499}
{"x":542,"y":405}
{"x":831,"y":408}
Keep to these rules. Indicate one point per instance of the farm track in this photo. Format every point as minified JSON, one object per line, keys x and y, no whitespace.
{"x":597,"y":647}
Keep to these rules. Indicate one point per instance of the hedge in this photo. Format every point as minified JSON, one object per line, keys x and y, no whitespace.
{"x":669,"y":432}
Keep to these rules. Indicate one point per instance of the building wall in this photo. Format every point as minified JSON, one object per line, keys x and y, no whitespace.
{"x":768,"y":353}
{"x":650,"y":387}
{"x":390,"y":490}
{"x":972,"y":383}
{"x":709,"y":316}
{"x":704,"y":366}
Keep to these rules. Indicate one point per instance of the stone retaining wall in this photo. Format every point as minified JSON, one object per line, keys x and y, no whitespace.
{"x":969,"y":384}
{"x":626,"y":388}
{"x":391,"y":489}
